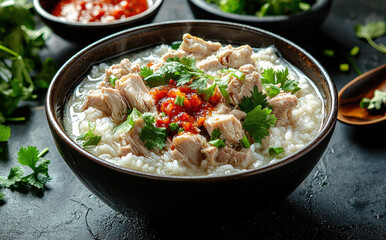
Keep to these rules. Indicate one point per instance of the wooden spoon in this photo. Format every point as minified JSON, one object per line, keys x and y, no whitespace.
{"x":350,"y":96}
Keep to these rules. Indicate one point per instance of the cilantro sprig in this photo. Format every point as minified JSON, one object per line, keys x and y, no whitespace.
{"x":215,"y":139}
{"x":127,"y":125}
{"x":32,"y":158}
{"x":259,"y":117}
{"x":152,"y":136}
{"x":247,"y":104}
{"x":258,"y":121}
{"x":376,"y":102}
{"x":183,"y":71}
{"x":271,"y":78}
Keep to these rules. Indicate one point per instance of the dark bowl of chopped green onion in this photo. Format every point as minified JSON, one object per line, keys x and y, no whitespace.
{"x":183,"y":198}
{"x":279,"y":16}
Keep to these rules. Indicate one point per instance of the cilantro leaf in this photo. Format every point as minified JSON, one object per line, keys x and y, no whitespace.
{"x":376,"y":102}
{"x":40,"y":175}
{"x":129,"y":123}
{"x":371,"y":31}
{"x":247,"y":104}
{"x":258,"y":121}
{"x":215,"y":139}
{"x":15,"y":175}
{"x":152,"y":136}
{"x":112,"y":80}
{"x":275,"y":151}
{"x":146,"y":71}
{"x":43,"y":78}
{"x":270,"y":79}
{"x":28,"y":156}
{"x":2,"y":196}
{"x":5,"y":133}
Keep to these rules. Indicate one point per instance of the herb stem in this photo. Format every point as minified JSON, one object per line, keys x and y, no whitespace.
{"x":16,"y":119}
{"x":374,"y":45}
{"x":354,"y":65}
{"x":42,"y":153}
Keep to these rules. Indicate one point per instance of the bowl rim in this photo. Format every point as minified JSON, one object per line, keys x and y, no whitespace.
{"x":326,"y":128}
{"x":210,"y":8}
{"x":150,"y":11}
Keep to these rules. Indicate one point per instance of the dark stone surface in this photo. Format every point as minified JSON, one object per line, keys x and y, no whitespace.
{"x":342,"y":198}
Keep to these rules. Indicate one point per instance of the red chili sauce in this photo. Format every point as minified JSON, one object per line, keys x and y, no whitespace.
{"x":98,"y":10}
{"x":191,"y":116}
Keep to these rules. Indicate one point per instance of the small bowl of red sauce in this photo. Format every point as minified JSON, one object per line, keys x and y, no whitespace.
{"x":87,"y":20}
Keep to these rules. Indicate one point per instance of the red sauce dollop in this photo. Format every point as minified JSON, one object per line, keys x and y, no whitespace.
{"x":191,"y":116}
{"x":98,"y":10}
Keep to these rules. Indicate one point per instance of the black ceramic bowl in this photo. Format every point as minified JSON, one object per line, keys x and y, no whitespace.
{"x":127,"y":190}
{"x":88,"y":32}
{"x":300,"y":22}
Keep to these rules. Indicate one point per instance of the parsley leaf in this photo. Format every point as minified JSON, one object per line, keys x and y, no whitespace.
{"x":129,"y":123}
{"x":275,"y":151}
{"x":215,"y":139}
{"x":152,"y":136}
{"x":376,"y":102}
{"x":258,"y":121}
{"x":272,"y":78}
{"x":247,"y":104}
{"x":371,"y":31}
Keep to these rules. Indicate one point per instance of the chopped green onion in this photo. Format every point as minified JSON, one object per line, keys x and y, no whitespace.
{"x":163,"y":114}
{"x":344,"y":67}
{"x":274,"y":152}
{"x":218,"y":143}
{"x":173,"y":126}
{"x":179,"y":100}
{"x":304,"y":6}
{"x":245,"y":142}
{"x":328,"y":52}
{"x":113,"y":79}
{"x":354,"y":51}
{"x":181,"y":130}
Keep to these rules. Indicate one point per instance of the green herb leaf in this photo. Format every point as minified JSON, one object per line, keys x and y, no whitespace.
{"x":15,"y":175}
{"x":44,"y":77}
{"x":129,"y":123}
{"x":5,"y":133}
{"x":28,"y":156}
{"x":275,"y":151}
{"x":2,"y":196}
{"x":176,"y":45}
{"x":152,"y":136}
{"x":371,"y":31}
{"x":272,"y":78}
{"x":218,"y":143}
{"x":376,"y":102}
{"x":146,"y":72}
{"x":247,"y":104}
{"x":89,"y":138}
{"x":215,"y":139}
{"x":258,"y":121}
